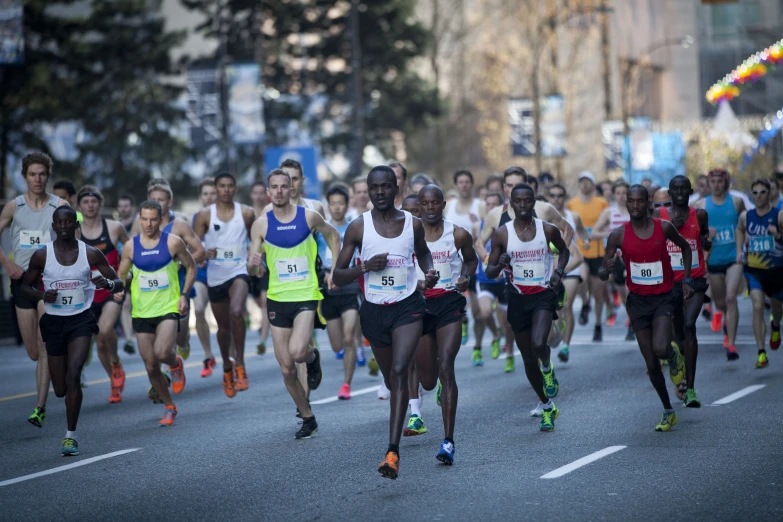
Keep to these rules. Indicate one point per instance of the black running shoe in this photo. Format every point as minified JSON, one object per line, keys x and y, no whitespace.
{"x":597,"y":334}
{"x":584,"y":315}
{"x":309,"y":426}
{"x":631,"y":335}
{"x":314,"y":373}
{"x":299,"y":413}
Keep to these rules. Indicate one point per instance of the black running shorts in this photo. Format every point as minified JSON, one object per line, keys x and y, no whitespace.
{"x":443,"y":310}
{"x":58,"y":331}
{"x":219,"y":293}
{"x":521,"y":308}
{"x":282,"y":314}
{"x":642,"y":309}
{"x":333,"y":306}
{"x":150,"y":324}
{"x":379,"y":321}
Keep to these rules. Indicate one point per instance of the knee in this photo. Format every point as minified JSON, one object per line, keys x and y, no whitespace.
{"x":288,"y":372}
{"x":60,"y":392}
{"x":731,"y":298}
{"x":73,"y":377}
{"x":100,"y":341}
{"x":689,"y":326}
{"x":152,"y":366}
{"x":399,"y":370}
{"x":446,"y":370}
{"x":539,"y":346}
{"x":237,"y":310}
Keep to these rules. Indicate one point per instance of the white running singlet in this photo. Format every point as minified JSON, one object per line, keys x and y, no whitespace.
{"x":398,"y":280}
{"x":447,"y":262}
{"x":230,"y":240}
{"x":531,"y":261}
{"x":462,"y":220}
{"x":74,"y":288}
{"x":618,"y":219}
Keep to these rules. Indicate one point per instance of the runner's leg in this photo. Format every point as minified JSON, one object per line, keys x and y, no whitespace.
{"x":292,"y":346}
{"x":36,"y":350}
{"x":106,"y":339}
{"x":448,"y":345}
{"x":733,"y":285}
{"x":349,"y":319}
{"x":571,"y":286}
{"x":757,"y":297}
{"x":647,"y":342}
{"x":200,"y":309}
{"x":237,"y":299}
{"x":77,"y":355}
{"x":532,"y":370}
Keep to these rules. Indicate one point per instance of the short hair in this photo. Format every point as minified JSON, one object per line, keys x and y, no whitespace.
{"x":385,"y":169}
{"x":545,"y":176}
{"x":37,"y":158}
{"x":160,"y":187}
{"x":157,"y":181}
{"x":65,"y":208}
{"x":257,"y":183}
{"x":523,"y":186}
{"x":532,"y":179}
{"x":65,"y":185}
{"x":399,"y":165}
{"x":278,"y":172}
{"x":411,"y":197}
{"x":151,"y":205}
{"x":206,"y":182}
{"x":292,"y":164}
{"x":225,"y":175}
{"x":514,"y":171}
{"x":495,"y":195}
{"x":703,"y":176}
{"x":463,"y":172}
{"x":760,"y":181}
{"x":640,"y":188}
{"x":421,"y":178}
{"x":679,"y":178}
{"x":619,"y":183}
{"x":559,"y":186}
{"x":493,"y":178}
{"x":340,"y":190}
{"x":89,"y":190}
{"x":358,"y":180}
{"x":129,"y":197}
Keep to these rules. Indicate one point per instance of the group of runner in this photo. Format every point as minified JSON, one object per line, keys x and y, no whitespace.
{"x":396,"y":268}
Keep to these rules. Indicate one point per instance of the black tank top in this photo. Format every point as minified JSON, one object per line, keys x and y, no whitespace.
{"x":103,"y":241}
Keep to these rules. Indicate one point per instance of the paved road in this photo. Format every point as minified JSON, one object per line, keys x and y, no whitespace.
{"x":238,"y":460}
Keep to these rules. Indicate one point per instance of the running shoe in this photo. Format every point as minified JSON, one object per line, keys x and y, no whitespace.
{"x":83,"y":380}
{"x":129,"y":348}
{"x":774,"y":336}
{"x":361,"y":360}
{"x":178,"y":376}
{"x":495,"y":348}
{"x":116,"y":395}
{"x":676,"y":365}
{"x":612,"y":319}
{"x":538,"y":411}
{"x":509,"y":367}
{"x":717,"y":322}
{"x":415,"y":427}
{"x":551,"y":386}
{"x":731,"y":353}
{"x":564,"y":353}
{"x":597,"y":334}
{"x":383,"y":393}
{"x":464,"y":333}
{"x":37,"y":417}
{"x":706,"y":312}
{"x":242,"y":383}
{"x":681,"y":389}
{"x":309,"y":426}
{"x":184,"y":351}
{"x":668,"y":421}
{"x":261,"y":349}
{"x":373,"y":366}
{"x":691,"y":401}
{"x":446,"y":453}
{"x":548,"y":418}
{"x":762,"y":361}
{"x":345,"y":392}
{"x":630,"y":335}
{"x":118,"y":376}
{"x":314,"y":373}
{"x":70,"y":448}
{"x":229,"y":382}
{"x":478,"y":358}
{"x":584,"y":315}
{"x":153,"y":395}
{"x":616,"y":298}
{"x":390,"y":467}
{"x":438,"y":393}
{"x":339,"y":355}
{"x":169,"y":416}
{"x":206,"y":371}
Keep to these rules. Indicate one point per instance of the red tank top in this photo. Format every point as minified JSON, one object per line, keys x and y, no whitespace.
{"x":690,"y":231}
{"x":647,"y":261}
{"x":104,"y":244}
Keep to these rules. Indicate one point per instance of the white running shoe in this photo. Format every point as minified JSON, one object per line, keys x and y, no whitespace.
{"x":384,"y":393}
{"x":538,"y":411}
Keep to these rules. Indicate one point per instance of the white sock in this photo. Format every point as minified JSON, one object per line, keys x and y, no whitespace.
{"x":545,"y":369}
{"x":70,"y":434}
{"x":549,"y":405}
{"x":414,"y":404}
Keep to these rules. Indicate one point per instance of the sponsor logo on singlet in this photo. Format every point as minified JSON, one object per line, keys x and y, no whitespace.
{"x":290,"y":227}
{"x":150,"y":252}
{"x":65,"y":284}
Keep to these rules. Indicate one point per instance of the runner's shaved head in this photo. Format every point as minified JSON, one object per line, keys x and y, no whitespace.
{"x":676,"y":180}
{"x":431,"y":189}
{"x":381,"y":172}
{"x":70,"y":212}
{"x":641,"y":190}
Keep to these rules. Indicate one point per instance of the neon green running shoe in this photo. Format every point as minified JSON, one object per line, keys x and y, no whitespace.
{"x":668,"y":421}
{"x":153,"y":395}
{"x":438,"y":393}
{"x":676,"y":365}
{"x":691,"y":401}
{"x":509,"y":367}
{"x":495,"y":348}
{"x":464,"y":332}
{"x":548,"y":418}
{"x":70,"y":448}
{"x":184,"y":351}
{"x":415,"y":427}
{"x":762,"y":361}
{"x":478,"y":358}
{"x":37,"y":418}
{"x":372,"y":364}
{"x":551,"y":386}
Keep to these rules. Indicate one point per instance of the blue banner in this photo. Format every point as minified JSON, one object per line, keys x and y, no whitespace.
{"x":307,"y":156}
{"x":11,"y":32}
{"x":245,"y":105}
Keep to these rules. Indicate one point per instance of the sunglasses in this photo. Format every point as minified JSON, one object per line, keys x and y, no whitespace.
{"x":760,"y":192}
{"x":664,"y":204}
{"x":555,"y":195}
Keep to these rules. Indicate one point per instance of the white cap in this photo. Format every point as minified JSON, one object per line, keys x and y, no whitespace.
{"x":586,"y":175}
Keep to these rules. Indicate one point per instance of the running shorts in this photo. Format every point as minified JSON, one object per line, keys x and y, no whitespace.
{"x":58,"y":331}
{"x":442,"y":311}
{"x":379,"y":321}
{"x":521,"y":308}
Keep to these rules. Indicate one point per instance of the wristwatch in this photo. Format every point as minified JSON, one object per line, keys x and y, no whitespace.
{"x":560,"y":272}
{"x":688,"y":281}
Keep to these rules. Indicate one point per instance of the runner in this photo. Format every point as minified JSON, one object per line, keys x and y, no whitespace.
{"x":521,"y":250}
{"x":411,"y":204}
{"x":723,"y":272}
{"x":66,"y":190}
{"x":361,"y":199}
{"x":158,"y":301}
{"x":454,"y":260}
{"x":294,"y":169}
{"x":650,"y":302}
{"x":418,"y":182}
{"x":589,"y":207}
{"x":30,"y":219}
{"x":207,"y":196}
{"x":224,"y":227}
{"x":401,"y":173}
{"x":126,"y":208}
{"x":392,"y":311}
{"x":692,"y":225}
{"x":340,"y":306}
{"x":68,"y":325}
{"x":702,"y":189}
{"x":285,"y":234}
{"x":759,"y":232}
{"x":104,"y":235}
{"x":260,"y":285}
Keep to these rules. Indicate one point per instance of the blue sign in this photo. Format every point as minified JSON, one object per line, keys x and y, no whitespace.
{"x":307,"y":156}
{"x":11,"y":32}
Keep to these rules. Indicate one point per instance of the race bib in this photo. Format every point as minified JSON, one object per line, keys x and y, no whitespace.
{"x":647,"y":273}
{"x":723,"y":236}
{"x":529,"y":274}
{"x":761,"y":244}
{"x":677,"y":264}
{"x":69,"y":299}
{"x":34,"y":239}
{"x":228,"y":255}
{"x":444,"y":272}
{"x":294,"y":269}
{"x":391,"y":281}
{"x":154,"y":282}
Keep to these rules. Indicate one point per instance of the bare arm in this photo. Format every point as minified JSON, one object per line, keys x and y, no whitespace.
{"x":423,"y":254}
{"x":341,"y":273}
{"x":249,"y":216}
{"x":193,"y":243}
{"x":498,"y":258}
{"x":6,"y":216}
{"x":120,"y":235}
{"x":739,"y":235}
{"x":108,"y":280}
{"x":550,"y":214}
{"x":464,"y":243}
{"x":255,"y":254}
{"x":30,"y":278}
{"x":601,"y":228}
{"x":490,"y":224}
{"x":610,"y":256}
{"x":179,"y":250}
{"x":200,"y":224}
{"x":581,"y":231}
{"x":575,"y":258}
{"x":331,"y":235}
{"x":126,"y":262}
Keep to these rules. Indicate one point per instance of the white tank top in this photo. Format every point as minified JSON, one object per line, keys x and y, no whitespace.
{"x":531,"y":261}
{"x":74,"y":288}
{"x":230,"y":240}
{"x":569,"y":217}
{"x":618,"y":219}
{"x":447,"y":262}
{"x":462,"y":220}
{"x":31,"y":229}
{"x":398,"y":280}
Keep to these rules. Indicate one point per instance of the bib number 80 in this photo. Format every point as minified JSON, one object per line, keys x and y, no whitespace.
{"x":646,"y":272}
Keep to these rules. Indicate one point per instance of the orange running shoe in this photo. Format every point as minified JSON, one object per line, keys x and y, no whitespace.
{"x":178,"y":376}
{"x":116,"y":395}
{"x":229,"y":384}
{"x":611,"y":320}
{"x":390,"y":467}
{"x":616,"y":298}
{"x":242,"y":383}
{"x":169,"y":416}
{"x":717,"y":321}
{"x":345,"y":392}
{"x":117,"y":376}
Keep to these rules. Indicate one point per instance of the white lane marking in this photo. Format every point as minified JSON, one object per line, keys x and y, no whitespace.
{"x":66,"y":467}
{"x":738,"y":395}
{"x":584,"y":461}
{"x":353,"y":394}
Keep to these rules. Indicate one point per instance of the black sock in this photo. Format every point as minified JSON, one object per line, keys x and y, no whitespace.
{"x":449,"y":440}
{"x":394,"y":448}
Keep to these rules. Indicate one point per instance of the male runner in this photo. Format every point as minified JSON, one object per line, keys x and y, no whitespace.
{"x":759,"y":231}
{"x":650,"y":301}
{"x":340,"y":306}
{"x":224,"y":227}
{"x":294,"y":169}
{"x":692,"y":225}
{"x":393,"y":309}
{"x":104,"y":235}
{"x":361,"y":199}
{"x":286,"y":235}
{"x":401,"y":173}
{"x":521,"y":249}
{"x":260,"y":285}
{"x":30,"y":219}
{"x":207,"y":196}
{"x":454,"y":260}
{"x":68,"y":325}
{"x":702,"y":189}
{"x":158,"y":300}
{"x":588,"y":206}
{"x":126,"y":208}
{"x":723,"y":272}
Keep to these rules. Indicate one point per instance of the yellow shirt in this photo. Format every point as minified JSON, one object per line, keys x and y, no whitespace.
{"x":589,"y":213}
